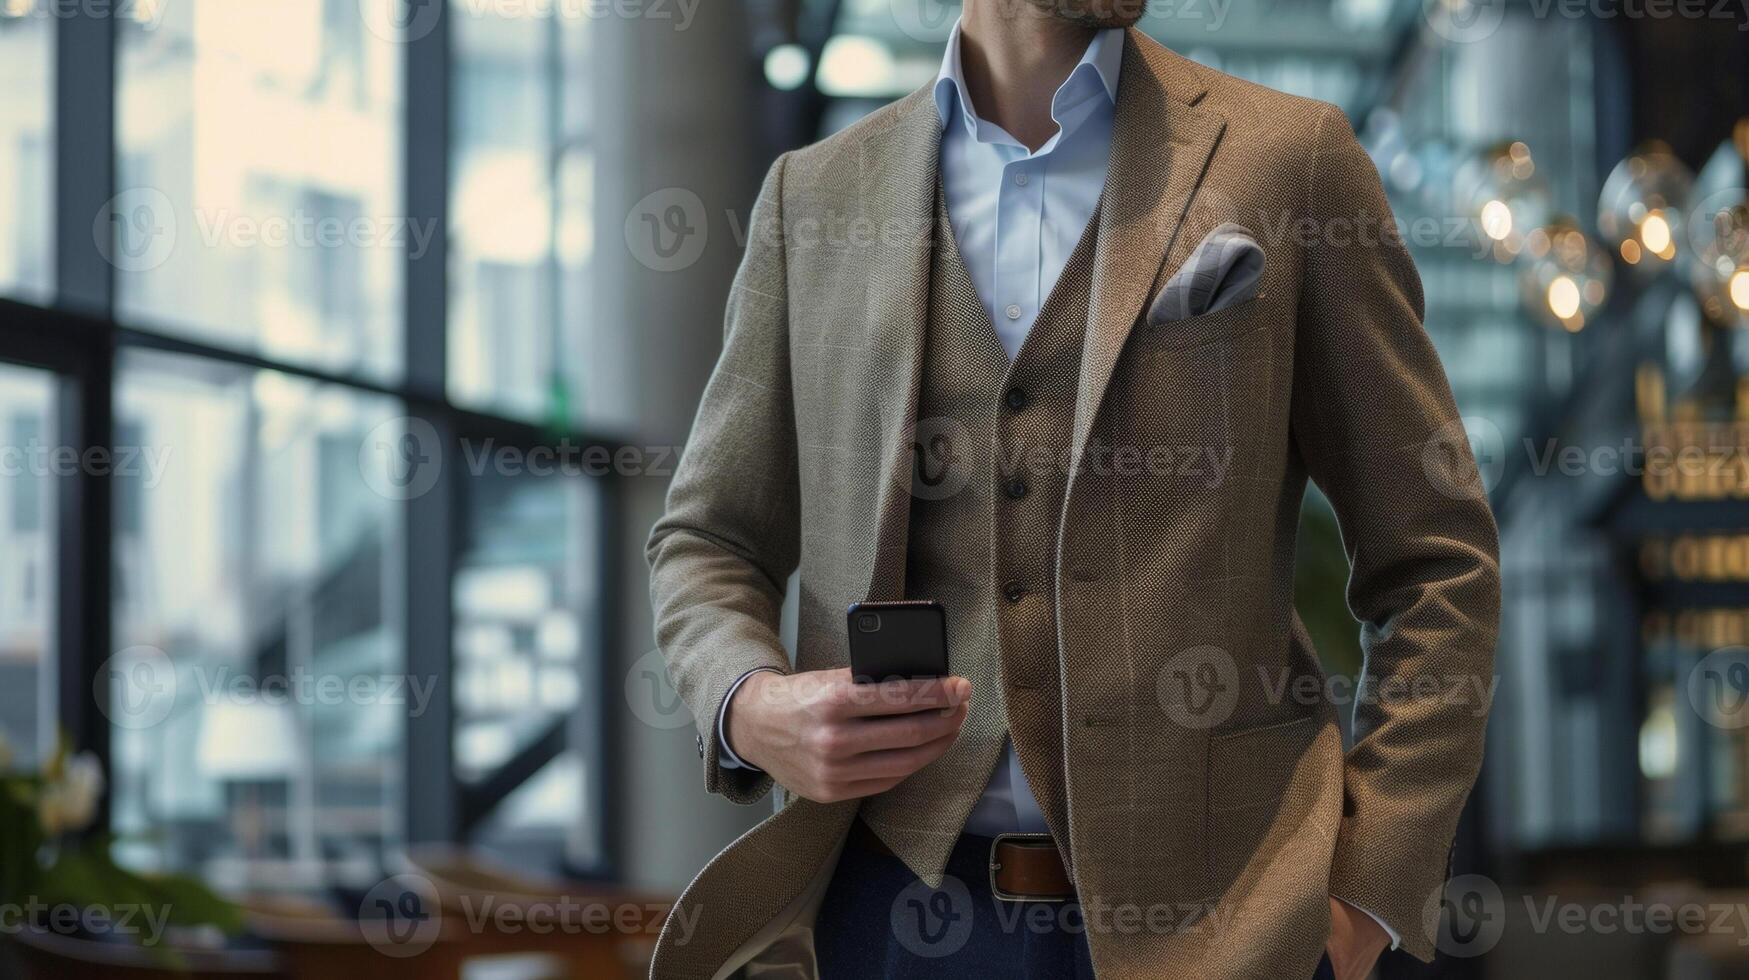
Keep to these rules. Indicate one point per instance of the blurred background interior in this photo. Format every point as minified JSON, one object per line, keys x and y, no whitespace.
{"x":261,"y":247}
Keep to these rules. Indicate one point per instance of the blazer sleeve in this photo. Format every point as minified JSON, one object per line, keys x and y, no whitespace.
{"x":1376,"y":427}
{"x":724,"y":548}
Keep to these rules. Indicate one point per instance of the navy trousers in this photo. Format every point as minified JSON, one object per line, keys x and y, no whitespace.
{"x":879,"y":922}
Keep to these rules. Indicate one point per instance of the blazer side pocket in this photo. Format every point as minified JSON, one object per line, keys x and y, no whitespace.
{"x":1249,"y":771}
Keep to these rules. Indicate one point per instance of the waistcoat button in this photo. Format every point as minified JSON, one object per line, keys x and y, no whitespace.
{"x":1018,"y":398}
{"x":1016,"y":488}
{"x":1014,"y":591}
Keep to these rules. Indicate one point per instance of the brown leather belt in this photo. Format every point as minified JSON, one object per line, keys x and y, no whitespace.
{"x":1023,"y":867}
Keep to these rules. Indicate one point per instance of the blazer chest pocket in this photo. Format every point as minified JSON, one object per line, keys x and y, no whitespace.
{"x":1234,"y":321}
{"x":1197,"y":389}
{"x":1249,"y":772}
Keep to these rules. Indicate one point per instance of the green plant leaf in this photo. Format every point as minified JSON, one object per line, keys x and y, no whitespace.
{"x":85,"y":874}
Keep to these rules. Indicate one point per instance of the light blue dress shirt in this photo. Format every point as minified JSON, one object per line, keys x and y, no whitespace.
{"x":1017,"y":214}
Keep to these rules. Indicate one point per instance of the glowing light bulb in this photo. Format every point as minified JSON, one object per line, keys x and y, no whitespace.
{"x":1641,"y":209}
{"x":1504,"y":196}
{"x":1740,"y":288}
{"x":1566,"y":276}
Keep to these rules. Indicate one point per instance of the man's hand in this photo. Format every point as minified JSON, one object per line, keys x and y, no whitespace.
{"x":1356,"y":940}
{"x":827,"y":738}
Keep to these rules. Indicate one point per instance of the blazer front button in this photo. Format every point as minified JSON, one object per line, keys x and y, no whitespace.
{"x":1014,"y":591}
{"x":1016,"y":488}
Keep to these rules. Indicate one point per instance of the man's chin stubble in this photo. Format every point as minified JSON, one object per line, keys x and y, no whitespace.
{"x":1095,"y":14}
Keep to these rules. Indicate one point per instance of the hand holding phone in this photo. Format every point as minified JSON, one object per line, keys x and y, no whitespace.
{"x":825,"y":737}
{"x":829,"y":735}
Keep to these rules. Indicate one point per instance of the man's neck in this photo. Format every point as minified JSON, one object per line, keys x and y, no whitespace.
{"x":1014,"y":58}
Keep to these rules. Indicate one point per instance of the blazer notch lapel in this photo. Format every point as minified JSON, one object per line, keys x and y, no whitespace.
{"x":897,"y":206}
{"x":1162,"y":139}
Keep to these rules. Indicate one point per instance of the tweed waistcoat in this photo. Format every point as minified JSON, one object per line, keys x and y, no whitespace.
{"x":988,"y":485}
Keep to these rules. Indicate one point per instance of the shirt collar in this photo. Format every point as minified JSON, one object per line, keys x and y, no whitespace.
{"x":1102,"y":60}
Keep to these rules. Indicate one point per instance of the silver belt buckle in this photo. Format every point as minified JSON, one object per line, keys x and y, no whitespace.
{"x":996,"y":866}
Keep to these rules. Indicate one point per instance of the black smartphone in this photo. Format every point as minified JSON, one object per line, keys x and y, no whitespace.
{"x":906,"y":638}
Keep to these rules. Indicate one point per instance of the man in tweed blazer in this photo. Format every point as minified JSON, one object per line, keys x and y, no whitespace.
{"x":1113,"y":536}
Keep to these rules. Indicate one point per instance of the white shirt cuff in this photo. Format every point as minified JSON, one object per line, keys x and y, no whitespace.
{"x":726,"y":756}
{"x":1396,"y":940}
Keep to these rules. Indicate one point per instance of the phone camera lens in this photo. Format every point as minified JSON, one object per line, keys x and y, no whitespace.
{"x":868,"y":622}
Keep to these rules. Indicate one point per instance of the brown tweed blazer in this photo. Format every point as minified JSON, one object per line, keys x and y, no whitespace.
{"x":1210,"y":807}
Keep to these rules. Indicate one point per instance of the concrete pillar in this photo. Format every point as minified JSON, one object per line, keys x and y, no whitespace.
{"x":677,"y":170}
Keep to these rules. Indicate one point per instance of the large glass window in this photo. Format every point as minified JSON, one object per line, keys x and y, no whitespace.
{"x":520,"y":331}
{"x":255,"y":676}
{"x":258,"y":696}
{"x":26,"y":145}
{"x":28,"y":462}
{"x":259,"y":180}
{"x":526,"y":607}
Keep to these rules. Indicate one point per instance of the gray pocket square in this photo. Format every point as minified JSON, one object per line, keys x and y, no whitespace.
{"x":1225,"y":269}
